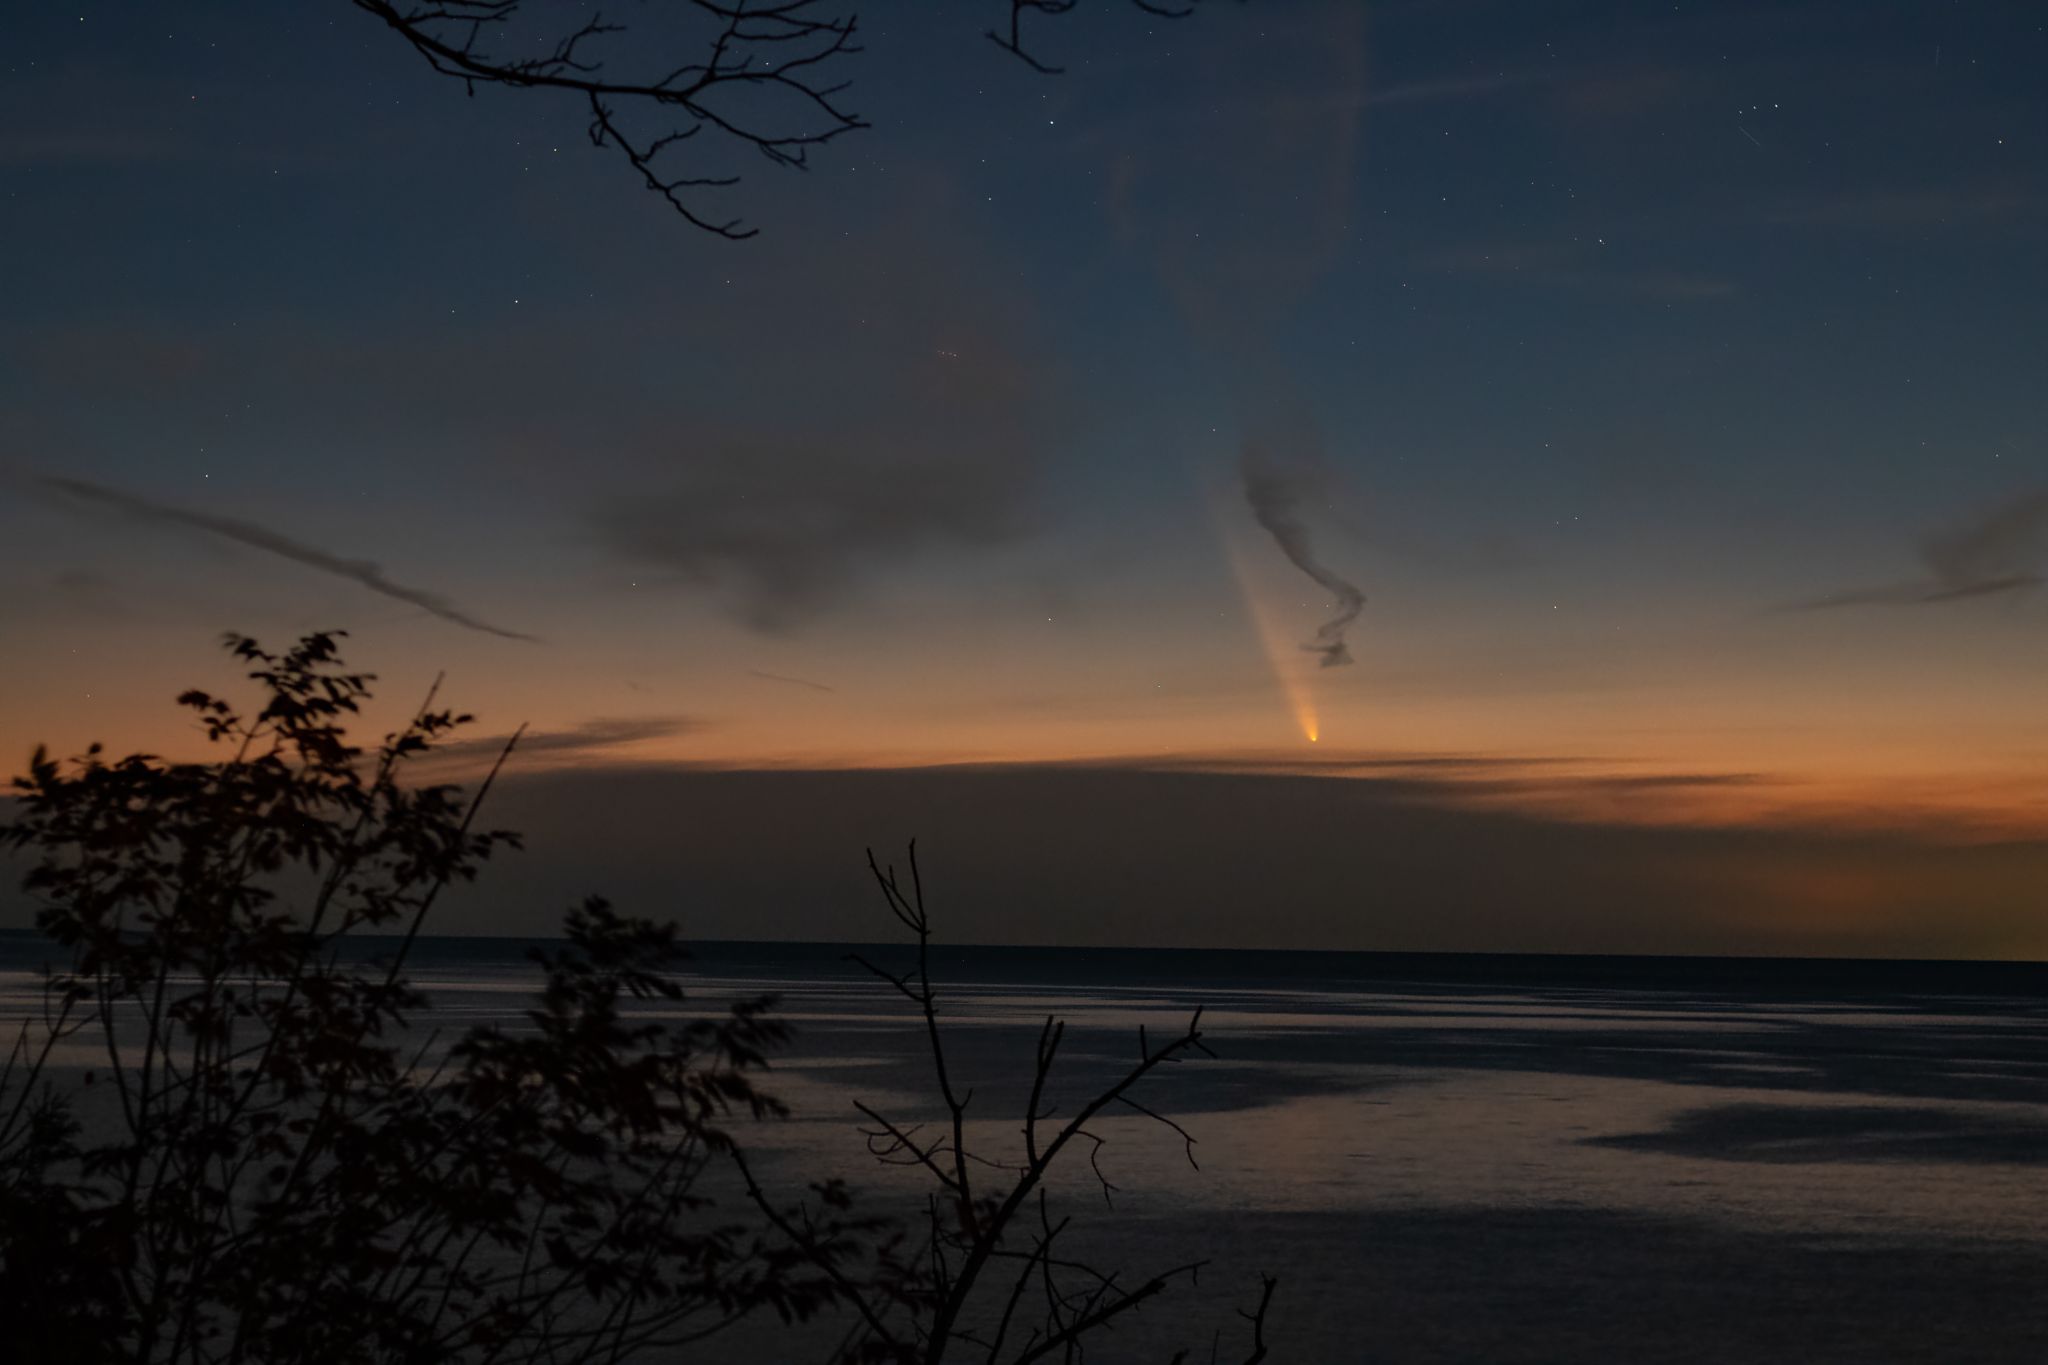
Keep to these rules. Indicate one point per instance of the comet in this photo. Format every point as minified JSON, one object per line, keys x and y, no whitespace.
{"x":1289,"y":669}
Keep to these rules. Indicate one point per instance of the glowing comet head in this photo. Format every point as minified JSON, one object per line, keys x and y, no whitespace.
{"x":1292,"y":677}
{"x":1304,"y":707}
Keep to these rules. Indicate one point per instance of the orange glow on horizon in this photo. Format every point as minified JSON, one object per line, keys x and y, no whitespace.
{"x":1658,"y":735}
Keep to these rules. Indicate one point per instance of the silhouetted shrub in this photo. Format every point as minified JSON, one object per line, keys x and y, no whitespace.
{"x":221,"y":1139}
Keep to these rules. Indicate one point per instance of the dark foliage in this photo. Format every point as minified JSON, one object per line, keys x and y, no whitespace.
{"x":269,"y":1175}
{"x":222,"y":1140}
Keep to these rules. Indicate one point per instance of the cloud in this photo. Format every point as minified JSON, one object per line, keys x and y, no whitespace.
{"x":785,"y":530}
{"x":1103,"y":855}
{"x":1559,"y":787}
{"x":779,"y":445}
{"x":591,"y":736}
{"x":249,"y":533}
{"x":922,"y":419}
{"x":1275,"y":499}
{"x":910,"y":416}
{"x":2000,"y":553}
{"x":88,"y":594}
{"x":81,"y":580}
{"x":1919,"y":594}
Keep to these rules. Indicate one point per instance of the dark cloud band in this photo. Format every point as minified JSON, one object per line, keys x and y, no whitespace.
{"x":361,"y":571}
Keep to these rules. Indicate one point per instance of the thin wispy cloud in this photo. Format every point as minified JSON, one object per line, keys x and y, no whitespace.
{"x":601,"y":735}
{"x":360,"y":571}
{"x":923,"y":436}
{"x":2003,"y":551}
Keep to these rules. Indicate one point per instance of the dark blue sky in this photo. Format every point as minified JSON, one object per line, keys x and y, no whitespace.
{"x":1600,"y":337}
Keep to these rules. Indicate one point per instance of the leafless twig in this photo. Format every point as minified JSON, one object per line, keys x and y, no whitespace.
{"x":762,"y":76}
{"x":757,"y":81}
{"x":1010,"y":38}
{"x":946,"y":1304}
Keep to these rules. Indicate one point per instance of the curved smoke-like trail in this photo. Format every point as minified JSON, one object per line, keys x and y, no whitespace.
{"x":1274,"y":500}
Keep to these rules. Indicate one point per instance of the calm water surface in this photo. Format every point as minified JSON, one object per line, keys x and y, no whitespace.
{"x":1478,"y":1159}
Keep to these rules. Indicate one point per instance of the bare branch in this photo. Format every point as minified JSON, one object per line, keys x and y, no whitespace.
{"x":763,"y":77}
{"x":1102,"y":1314}
{"x":1257,"y":1318}
{"x":757,"y":86}
{"x":1011,"y":38}
{"x":1187,"y":1138}
{"x":1076,"y":1297}
{"x":910,"y":912}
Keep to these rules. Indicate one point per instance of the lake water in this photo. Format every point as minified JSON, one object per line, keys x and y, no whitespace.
{"x":1474,"y":1159}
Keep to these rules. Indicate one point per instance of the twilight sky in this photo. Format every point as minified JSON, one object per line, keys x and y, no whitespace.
{"x":1668,"y":376}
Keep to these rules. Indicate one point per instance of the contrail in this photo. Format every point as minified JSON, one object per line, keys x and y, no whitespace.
{"x":1273,"y":500}
{"x":262,"y":538}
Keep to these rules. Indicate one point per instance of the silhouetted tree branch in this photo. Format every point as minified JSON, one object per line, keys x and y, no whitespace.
{"x":256,"y":1166}
{"x":949,"y":1300}
{"x":760,"y":76}
{"x":756,"y":80}
{"x":1010,"y":38}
